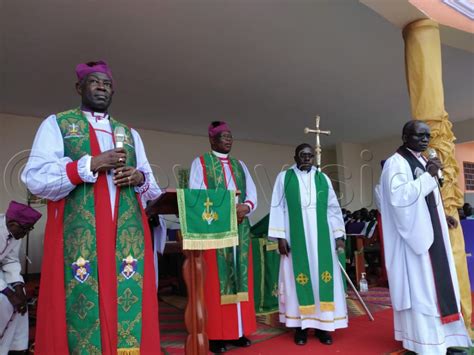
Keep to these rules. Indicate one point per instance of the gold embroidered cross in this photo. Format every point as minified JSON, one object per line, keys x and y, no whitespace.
{"x":326,"y":276}
{"x":302,"y":279}
{"x":208,"y":204}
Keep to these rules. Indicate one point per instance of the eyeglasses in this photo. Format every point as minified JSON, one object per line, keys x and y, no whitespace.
{"x":225,"y":136}
{"x":422,"y":135}
{"x":306,"y":155}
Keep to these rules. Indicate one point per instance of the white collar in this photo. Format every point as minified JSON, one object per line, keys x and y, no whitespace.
{"x":295,"y":168}
{"x":416,"y":154}
{"x":220,"y":155}
{"x":96,"y":116}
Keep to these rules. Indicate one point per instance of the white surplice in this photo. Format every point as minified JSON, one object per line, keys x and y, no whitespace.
{"x":279,"y":227}
{"x":407,"y":237}
{"x":45,"y":173}
{"x":13,"y":326}
{"x":196,"y":181}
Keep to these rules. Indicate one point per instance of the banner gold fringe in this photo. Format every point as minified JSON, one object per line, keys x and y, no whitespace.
{"x":131,"y":351}
{"x":311,"y":309}
{"x":205,"y":244}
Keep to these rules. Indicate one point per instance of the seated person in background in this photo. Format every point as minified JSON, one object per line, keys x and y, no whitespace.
{"x":14,"y":225}
{"x":467,"y":209}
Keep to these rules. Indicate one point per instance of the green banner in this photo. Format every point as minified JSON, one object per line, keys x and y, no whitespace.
{"x":208,"y":219}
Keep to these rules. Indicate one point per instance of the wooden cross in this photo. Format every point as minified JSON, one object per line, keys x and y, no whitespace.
{"x":317,"y":147}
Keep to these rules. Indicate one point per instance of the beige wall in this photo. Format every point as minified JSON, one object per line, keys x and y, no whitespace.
{"x":464,"y":152}
{"x":353,"y":168}
{"x":166,"y":153}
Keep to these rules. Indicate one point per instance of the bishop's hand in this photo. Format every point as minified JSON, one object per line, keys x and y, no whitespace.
{"x":128,"y":176}
{"x":110,"y":159}
{"x":283,"y":247}
{"x":17,"y":298}
{"x":242,"y":211}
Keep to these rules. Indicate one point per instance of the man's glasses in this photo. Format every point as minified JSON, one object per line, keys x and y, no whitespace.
{"x":306,"y":155}
{"x":225,"y":136}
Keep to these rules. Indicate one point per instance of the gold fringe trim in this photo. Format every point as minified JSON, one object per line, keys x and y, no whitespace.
{"x":131,"y":351}
{"x":312,"y":318}
{"x":307,"y":309}
{"x":272,"y":246}
{"x":205,"y":244}
{"x":239,"y":297}
{"x":326,"y":306}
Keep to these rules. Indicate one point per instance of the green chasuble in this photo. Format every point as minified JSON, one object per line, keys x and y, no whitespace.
{"x":233,"y":280}
{"x":301,"y":267}
{"x":80,"y":251}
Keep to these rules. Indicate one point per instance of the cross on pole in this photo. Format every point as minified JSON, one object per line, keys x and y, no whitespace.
{"x":317,"y":147}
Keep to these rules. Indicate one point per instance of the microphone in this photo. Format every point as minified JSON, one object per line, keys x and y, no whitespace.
{"x":432,"y":154}
{"x":119,"y":135}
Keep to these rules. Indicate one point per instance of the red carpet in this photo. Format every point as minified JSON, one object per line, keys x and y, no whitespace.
{"x":362,"y":337}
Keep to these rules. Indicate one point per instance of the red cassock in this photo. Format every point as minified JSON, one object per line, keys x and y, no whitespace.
{"x":51,"y":328}
{"x":222,"y":320}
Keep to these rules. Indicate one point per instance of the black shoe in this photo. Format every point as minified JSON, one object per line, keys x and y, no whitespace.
{"x":217,"y":346}
{"x":242,"y":342}
{"x":456,"y":351}
{"x":323,"y":336}
{"x":301,"y":336}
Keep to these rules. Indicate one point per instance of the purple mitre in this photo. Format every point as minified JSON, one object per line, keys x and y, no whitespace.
{"x":84,"y":69}
{"x":22,"y":213}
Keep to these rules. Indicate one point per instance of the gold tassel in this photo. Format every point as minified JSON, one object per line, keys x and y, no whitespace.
{"x":131,"y":351}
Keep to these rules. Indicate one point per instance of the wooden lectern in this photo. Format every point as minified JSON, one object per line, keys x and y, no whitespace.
{"x":195,"y":316}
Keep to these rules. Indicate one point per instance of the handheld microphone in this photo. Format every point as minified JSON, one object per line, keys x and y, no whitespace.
{"x":432,"y":154}
{"x":119,"y":135}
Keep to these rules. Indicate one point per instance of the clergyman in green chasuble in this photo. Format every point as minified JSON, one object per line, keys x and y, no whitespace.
{"x":229,"y":283}
{"x":97,"y":290}
{"x":306,"y":220}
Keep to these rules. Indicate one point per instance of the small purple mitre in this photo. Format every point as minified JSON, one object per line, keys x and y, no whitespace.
{"x":214,"y":131}
{"x":22,"y":214}
{"x":84,"y":69}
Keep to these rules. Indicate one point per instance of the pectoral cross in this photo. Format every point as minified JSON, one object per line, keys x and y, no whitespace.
{"x":317,"y":147}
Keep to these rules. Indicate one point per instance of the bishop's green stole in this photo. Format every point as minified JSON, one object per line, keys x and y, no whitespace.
{"x":233,"y":279}
{"x":80,"y":251}
{"x":301,"y":267}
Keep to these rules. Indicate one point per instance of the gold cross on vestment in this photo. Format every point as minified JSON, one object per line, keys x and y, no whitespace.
{"x":326,"y":276}
{"x":208,"y":204}
{"x":317,"y":147}
{"x":302,"y":279}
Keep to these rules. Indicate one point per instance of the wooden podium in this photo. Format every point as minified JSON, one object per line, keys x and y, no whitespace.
{"x":195,"y":316}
